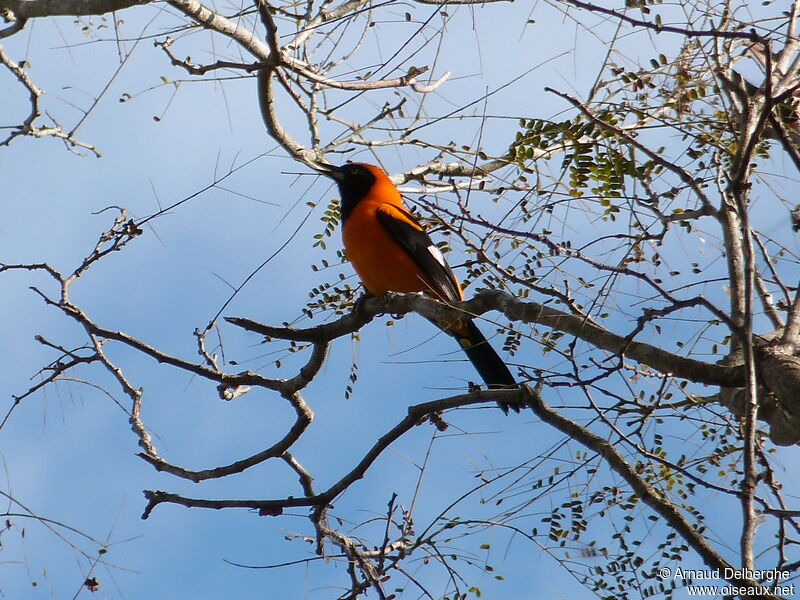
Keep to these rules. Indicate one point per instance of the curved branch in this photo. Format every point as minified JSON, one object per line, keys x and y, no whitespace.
{"x":303,"y":420}
{"x":415,"y":413}
{"x":17,"y":25}
{"x":269,"y":113}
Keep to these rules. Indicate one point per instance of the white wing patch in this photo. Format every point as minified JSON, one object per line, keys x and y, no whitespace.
{"x":437,"y":255}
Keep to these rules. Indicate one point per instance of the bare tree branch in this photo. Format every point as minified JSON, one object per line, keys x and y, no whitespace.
{"x":31,"y":9}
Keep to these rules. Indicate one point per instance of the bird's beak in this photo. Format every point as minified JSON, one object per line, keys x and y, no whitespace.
{"x":329,"y":170}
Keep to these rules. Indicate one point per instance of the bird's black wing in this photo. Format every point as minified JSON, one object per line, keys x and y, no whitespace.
{"x":409,"y":235}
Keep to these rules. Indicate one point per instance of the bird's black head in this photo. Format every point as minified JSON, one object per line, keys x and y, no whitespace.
{"x":355,"y":180}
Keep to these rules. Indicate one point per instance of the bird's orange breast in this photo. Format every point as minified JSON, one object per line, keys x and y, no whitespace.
{"x":380,"y":262}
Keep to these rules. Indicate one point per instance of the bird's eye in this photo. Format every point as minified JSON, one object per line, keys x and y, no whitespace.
{"x":354,"y":170}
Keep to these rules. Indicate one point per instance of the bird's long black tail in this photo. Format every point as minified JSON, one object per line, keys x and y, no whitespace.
{"x":492,"y":369}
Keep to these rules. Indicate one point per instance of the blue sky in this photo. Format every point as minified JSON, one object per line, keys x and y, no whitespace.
{"x":68,"y":452}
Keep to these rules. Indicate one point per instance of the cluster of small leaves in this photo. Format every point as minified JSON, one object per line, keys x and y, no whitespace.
{"x":626,"y":570}
{"x":513,"y":339}
{"x":700,"y":107}
{"x":353,"y":377}
{"x":92,"y":27}
{"x":672,"y":551}
{"x":325,"y":264}
{"x":538,"y":135}
{"x":549,"y":340}
{"x":559,"y":531}
{"x":631,"y":569}
{"x":685,"y":90}
{"x":330,"y":220}
{"x":600,"y":170}
{"x":328,"y":296}
{"x":660,"y":473}
{"x":477,"y":272}
{"x":638,"y":81}
{"x":726,"y":441}
{"x":292,"y":348}
{"x":596,"y":160}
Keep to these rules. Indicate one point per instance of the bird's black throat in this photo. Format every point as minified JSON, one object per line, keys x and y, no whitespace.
{"x":354,"y":184}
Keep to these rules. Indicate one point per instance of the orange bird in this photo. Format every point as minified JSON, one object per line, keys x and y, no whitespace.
{"x":391,"y":252}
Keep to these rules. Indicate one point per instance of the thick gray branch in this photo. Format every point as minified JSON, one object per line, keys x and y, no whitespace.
{"x":517,"y":311}
{"x":29,"y":9}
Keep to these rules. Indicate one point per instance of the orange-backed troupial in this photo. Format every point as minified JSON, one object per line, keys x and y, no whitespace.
{"x":391,"y":252}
